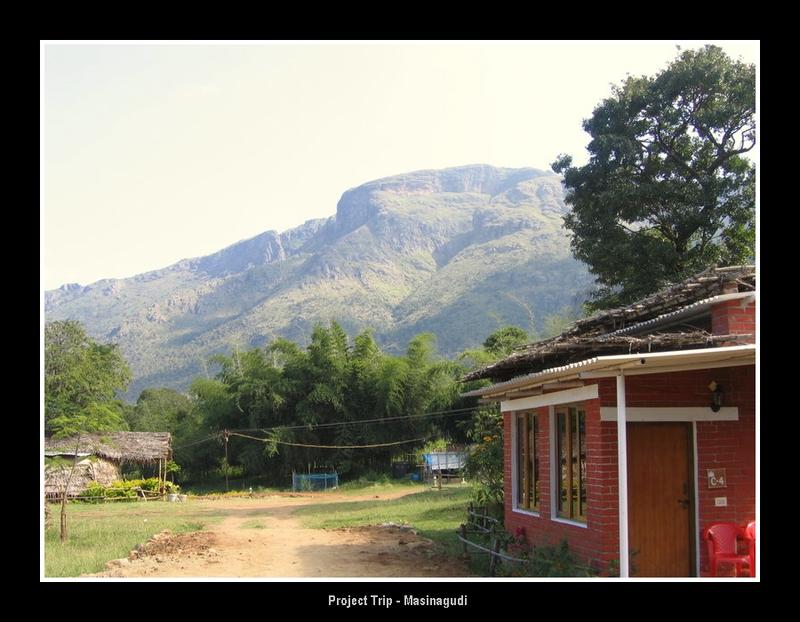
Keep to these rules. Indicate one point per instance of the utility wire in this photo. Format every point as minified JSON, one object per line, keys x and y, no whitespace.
{"x":205,"y":440}
{"x":266,"y":440}
{"x":440,"y":413}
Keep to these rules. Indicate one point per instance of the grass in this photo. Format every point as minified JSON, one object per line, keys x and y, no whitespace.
{"x":104,"y":531}
{"x":253,"y":524}
{"x":434,"y":514}
{"x":218,"y":487}
{"x":379,"y":484}
{"x":101,"y":532}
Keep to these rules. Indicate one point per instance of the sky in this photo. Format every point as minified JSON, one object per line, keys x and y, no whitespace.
{"x":157,"y":152}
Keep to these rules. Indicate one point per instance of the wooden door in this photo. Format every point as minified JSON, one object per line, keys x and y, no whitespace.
{"x":660,"y":499}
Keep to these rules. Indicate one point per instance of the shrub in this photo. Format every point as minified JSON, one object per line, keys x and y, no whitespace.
{"x":94,"y":489}
{"x":485,"y":459}
{"x":126,"y":489}
{"x":556,"y":561}
{"x":543,"y":561}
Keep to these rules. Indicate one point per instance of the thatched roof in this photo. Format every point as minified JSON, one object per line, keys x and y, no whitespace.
{"x":630,"y":329}
{"x":137,"y":447}
{"x":87,"y":471}
{"x":710,"y":282}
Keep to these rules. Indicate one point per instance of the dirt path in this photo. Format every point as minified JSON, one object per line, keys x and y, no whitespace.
{"x":262,"y":538}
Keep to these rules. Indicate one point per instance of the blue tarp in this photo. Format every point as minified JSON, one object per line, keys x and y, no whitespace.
{"x":445,"y":460}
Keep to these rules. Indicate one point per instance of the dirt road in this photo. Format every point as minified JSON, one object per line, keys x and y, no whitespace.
{"x":261,"y":537}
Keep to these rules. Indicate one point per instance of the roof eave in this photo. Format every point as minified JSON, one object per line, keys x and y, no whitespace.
{"x":612,"y":365}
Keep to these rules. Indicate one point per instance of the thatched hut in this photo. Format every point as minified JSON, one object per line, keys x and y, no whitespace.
{"x":100,"y":456}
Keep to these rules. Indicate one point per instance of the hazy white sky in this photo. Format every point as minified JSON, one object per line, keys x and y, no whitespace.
{"x":156,"y":152}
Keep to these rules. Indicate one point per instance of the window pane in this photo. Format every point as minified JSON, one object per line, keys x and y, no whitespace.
{"x":533,"y":452}
{"x":575,"y":470}
{"x":570,"y":450}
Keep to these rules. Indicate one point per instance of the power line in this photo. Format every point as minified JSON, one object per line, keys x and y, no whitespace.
{"x":209,"y":438}
{"x":266,"y":440}
{"x":439,"y":413}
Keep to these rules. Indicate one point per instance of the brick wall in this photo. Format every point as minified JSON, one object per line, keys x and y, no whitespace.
{"x":729,"y":445}
{"x":721,"y":444}
{"x":596,"y":543}
{"x":730,"y":318}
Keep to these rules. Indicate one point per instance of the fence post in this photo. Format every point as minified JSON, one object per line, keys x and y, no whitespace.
{"x":493,"y":557}
{"x":464,"y":535}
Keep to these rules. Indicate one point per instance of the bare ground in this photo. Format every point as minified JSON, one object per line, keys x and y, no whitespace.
{"x":262,"y":538}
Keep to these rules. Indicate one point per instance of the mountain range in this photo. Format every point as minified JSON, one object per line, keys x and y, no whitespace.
{"x":458,"y":252}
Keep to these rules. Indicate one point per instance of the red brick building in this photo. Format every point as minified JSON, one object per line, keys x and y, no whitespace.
{"x":679,"y":368}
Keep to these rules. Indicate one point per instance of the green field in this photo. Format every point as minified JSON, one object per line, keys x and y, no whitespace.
{"x":435,"y":514}
{"x":101,"y":532}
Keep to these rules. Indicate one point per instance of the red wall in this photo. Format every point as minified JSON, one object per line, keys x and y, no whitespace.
{"x":720,"y":444}
{"x":729,"y":318}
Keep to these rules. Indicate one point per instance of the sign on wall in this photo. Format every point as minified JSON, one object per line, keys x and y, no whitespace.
{"x":717,"y":478}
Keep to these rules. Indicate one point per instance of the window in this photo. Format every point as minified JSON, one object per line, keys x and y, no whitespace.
{"x":571,"y":447}
{"x":527,"y":474}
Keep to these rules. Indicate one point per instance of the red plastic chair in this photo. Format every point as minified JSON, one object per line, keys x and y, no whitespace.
{"x":750,"y":535}
{"x":722,"y":540}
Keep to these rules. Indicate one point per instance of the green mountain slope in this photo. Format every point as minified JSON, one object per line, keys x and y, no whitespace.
{"x":458,"y":252}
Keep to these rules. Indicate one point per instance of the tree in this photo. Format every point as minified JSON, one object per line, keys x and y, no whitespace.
{"x":666,"y":192}
{"x":314,"y":402}
{"x":503,"y":341}
{"x":81,"y":380}
{"x":496,"y":346}
{"x":158,"y":410}
{"x":485,"y":459}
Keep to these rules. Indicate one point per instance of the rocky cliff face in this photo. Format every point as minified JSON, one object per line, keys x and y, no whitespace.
{"x":458,"y":252}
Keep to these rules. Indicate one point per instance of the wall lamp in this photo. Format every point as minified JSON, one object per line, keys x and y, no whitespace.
{"x":716,"y":396}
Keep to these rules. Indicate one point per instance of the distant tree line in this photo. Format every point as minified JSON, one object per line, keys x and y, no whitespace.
{"x":288,"y":394}
{"x":336,"y":391}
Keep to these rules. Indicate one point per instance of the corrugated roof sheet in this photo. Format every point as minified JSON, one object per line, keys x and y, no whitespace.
{"x":658,"y":362}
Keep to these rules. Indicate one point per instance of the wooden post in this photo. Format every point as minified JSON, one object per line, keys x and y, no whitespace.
{"x":227,"y":466}
{"x":493,"y":557}
{"x":622,"y":477}
{"x":464,"y":535}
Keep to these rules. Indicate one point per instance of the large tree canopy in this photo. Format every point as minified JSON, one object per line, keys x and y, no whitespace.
{"x":666,"y":191}
{"x":81,"y":379}
{"x":158,"y":410}
{"x":327,"y":388}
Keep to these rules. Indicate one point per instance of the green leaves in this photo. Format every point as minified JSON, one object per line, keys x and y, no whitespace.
{"x":293,"y":394}
{"x":158,"y":410}
{"x":82,"y":378}
{"x":666,"y":191}
{"x":503,"y":341}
